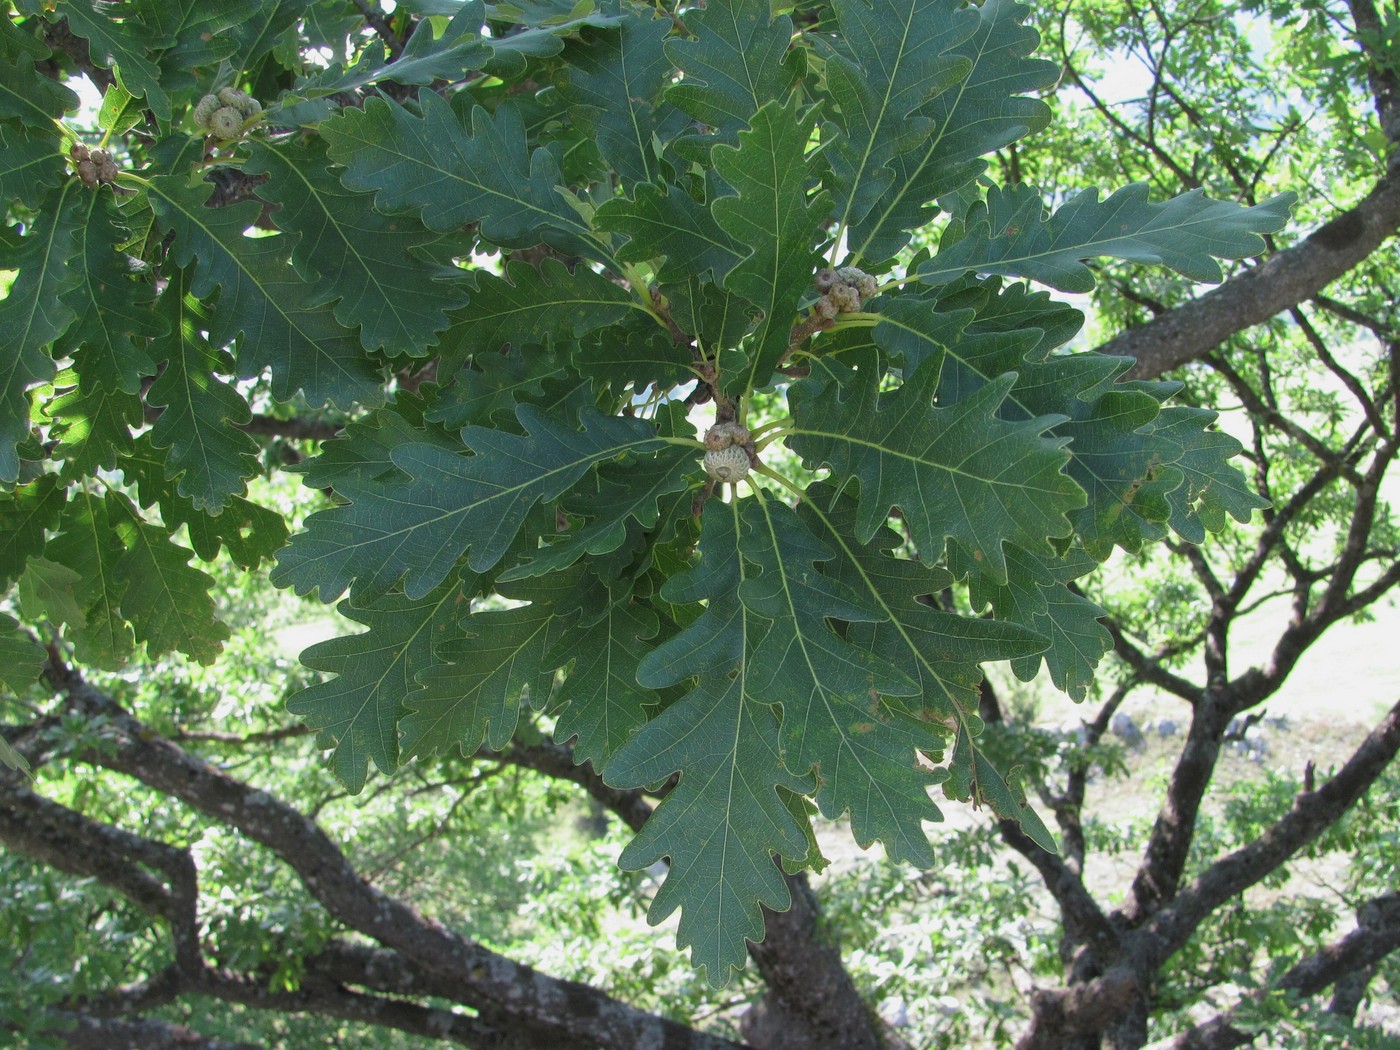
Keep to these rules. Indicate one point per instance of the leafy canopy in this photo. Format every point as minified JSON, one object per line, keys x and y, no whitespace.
{"x":527,"y":509}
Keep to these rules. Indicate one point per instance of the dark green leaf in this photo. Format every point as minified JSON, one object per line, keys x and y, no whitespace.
{"x":427,"y":56}
{"x":258,"y":31}
{"x":263,"y":300}
{"x":200,"y":414}
{"x":30,"y":163}
{"x":49,"y":591}
{"x":417,"y":529}
{"x":941,"y":651}
{"x":371,"y":266}
{"x":612,"y":81}
{"x":772,"y":217}
{"x":725,"y":820}
{"x":723,"y":823}
{"x":121,"y":43}
{"x":21,"y":658}
{"x":200,"y":30}
{"x":974,"y":778}
{"x":27,"y":513}
{"x":902,"y":60}
{"x":616,"y":494}
{"x":34,"y":314}
{"x":88,"y":543}
{"x":164,"y":597}
{"x":453,"y":175}
{"x":487,"y":392}
{"x":474,"y":690}
{"x":984,"y":112}
{"x":733,"y":66}
{"x":1123,"y":464}
{"x":530,"y":307}
{"x":29,"y":95}
{"x":956,"y":471}
{"x":360,"y":452}
{"x":666,"y":222}
{"x":114,"y":306}
{"x":836,"y":722}
{"x":642,"y":353}
{"x":248,"y":532}
{"x":1011,"y":234}
{"x":1213,"y":487}
{"x":357,"y":712}
{"x":601,"y":703}
{"x":1037,"y":595}
{"x":93,"y":425}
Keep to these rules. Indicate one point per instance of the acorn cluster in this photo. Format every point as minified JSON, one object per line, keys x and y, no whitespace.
{"x":95,"y":166}
{"x":727,"y":448}
{"x":222,"y":115}
{"x":843,"y":291}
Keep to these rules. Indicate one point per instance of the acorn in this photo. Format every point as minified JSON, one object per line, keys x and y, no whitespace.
{"x":226,"y":123}
{"x":846,"y":298}
{"x":727,"y":464}
{"x":722,"y":435}
{"x":245,"y":103}
{"x":106,"y":166}
{"x":204,"y":109}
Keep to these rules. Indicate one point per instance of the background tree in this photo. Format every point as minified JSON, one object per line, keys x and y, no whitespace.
{"x":524,"y":434}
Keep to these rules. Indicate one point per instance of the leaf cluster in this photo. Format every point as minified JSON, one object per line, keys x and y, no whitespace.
{"x":521,"y":519}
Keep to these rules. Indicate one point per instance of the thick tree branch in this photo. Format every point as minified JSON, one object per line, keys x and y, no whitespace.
{"x":1383,"y":78}
{"x":380,"y":970}
{"x":268,"y":736}
{"x":811,"y":1001}
{"x":1169,"y":844}
{"x":322,"y":997}
{"x":1059,"y":1015}
{"x":68,"y":841}
{"x":1377,"y":935}
{"x":573,"y":1011}
{"x":1337,"y":601}
{"x":1084,"y":920}
{"x":1312,"y":813}
{"x":1193,"y":329}
{"x":557,"y":761}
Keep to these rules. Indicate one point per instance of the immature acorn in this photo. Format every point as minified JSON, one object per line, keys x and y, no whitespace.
{"x":845,"y":298}
{"x":727,"y":464}
{"x":204,"y":109}
{"x":94,"y":167}
{"x":843,"y":291}
{"x":726,"y":455}
{"x":722,"y":435}
{"x":226,"y":123}
{"x":245,"y":103}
